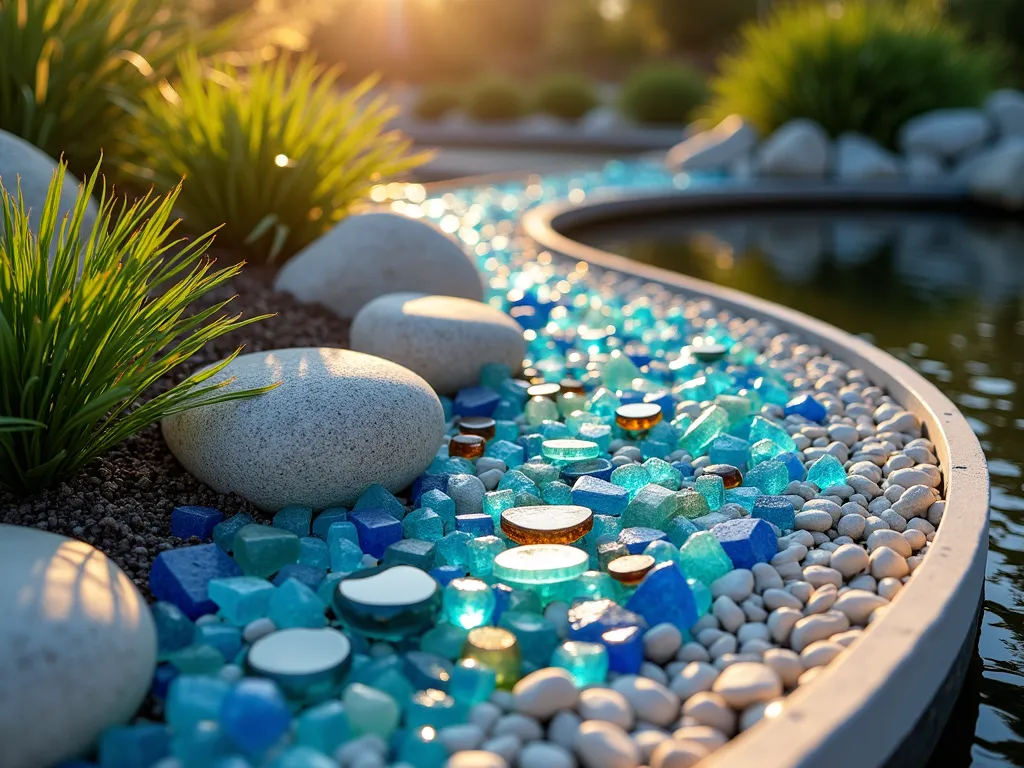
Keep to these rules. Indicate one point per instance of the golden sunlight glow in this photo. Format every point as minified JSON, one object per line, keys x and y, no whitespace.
{"x":281,"y":161}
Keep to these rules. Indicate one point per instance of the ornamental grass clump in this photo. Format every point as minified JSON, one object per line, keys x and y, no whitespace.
{"x":855,"y":66}
{"x":68,"y":68}
{"x":665,"y":94}
{"x":275,"y":153}
{"x":89,"y":321}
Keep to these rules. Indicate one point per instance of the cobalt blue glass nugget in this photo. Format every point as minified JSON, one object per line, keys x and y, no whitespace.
{"x":777,"y":510}
{"x":476,"y":401}
{"x":377,"y":529}
{"x":475,"y":524}
{"x":806,"y":406}
{"x":194,"y":521}
{"x":664,"y":597}
{"x":636,"y":539}
{"x":180,"y":576}
{"x":590,"y":619}
{"x":598,"y":468}
{"x":389,"y":602}
{"x":599,"y":495}
{"x":747,"y":541}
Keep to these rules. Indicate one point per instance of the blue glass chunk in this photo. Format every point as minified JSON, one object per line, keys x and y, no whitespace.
{"x":379,"y":497}
{"x":475,"y":401}
{"x":194,"y":521}
{"x":324,"y":727}
{"x":590,"y":619}
{"x":747,"y":541}
{"x":475,"y":525}
{"x":342,"y":529}
{"x":602,"y":497}
{"x":685,"y":468}
{"x":255,"y":715}
{"x":777,"y":510}
{"x":322,"y":523}
{"x":727,"y":449}
{"x":826,"y":472}
{"x":224,"y":637}
{"x":625,"y":648}
{"x":164,"y":675}
{"x":598,"y":468}
{"x":345,"y":556}
{"x":443,"y":574}
{"x":314,"y":552}
{"x":427,"y":482}
{"x":664,"y":596}
{"x":304,"y":574}
{"x":174,"y":630}
{"x":293,"y":604}
{"x":193,"y":698}
{"x":536,"y":635}
{"x":180,"y":576}
{"x":427,"y":670}
{"x":377,"y":528}
{"x":241,"y":599}
{"x":794,"y":465}
{"x":637,"y":539}
{"x":808,"y":407}
{"x":471,"y":682}
{"x":679,"y":529}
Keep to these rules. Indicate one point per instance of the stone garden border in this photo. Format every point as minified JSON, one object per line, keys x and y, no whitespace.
{"x":888,"y":699}
{"x":570,"y":138}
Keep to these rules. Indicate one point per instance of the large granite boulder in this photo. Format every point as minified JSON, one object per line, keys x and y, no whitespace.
{"x":338,"y":422}
{"x":374,"y":254}
{"x":716,"y":149}
{"x":800,"y":148}
{"x":946,"y":133}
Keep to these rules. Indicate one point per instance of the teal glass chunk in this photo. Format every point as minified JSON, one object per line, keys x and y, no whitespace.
{"x":322,"y":523}
{"x":289,"y":757}
{"x":194,"y":698}
{"x":453,"y":549}
{"x":200,"y":659}
{"x":539,"y":472}
{"x":744,"y":496}
{"x":379,"y":497}
{"x":570,"y":450}
{"x":596,"y":585}
{"x":527,"y":499}
{"x":342,"y":530}
{"x":202,"y":744}
{"x":345,"y":556}
{"x":421,"y":747}
{"x":314,"y":553}
{"x":586,"y":662}
{"x":444,"y":640}
{"x":556,"y":492}
{"x":739,"y":408}
{"x":457,"y":466}
{"x":468,"y":603}
{"x":826,"y":472}
{"x":603,"y":402}
{"x":471,"y":682}
{"x":553,"y":430}
{"x":712,"y":488}
{"x":442,"y":505}
{"x":174,"y":630}
{"x":370,"y":711}
{"x":703,"y":558}
{"x":679,"y":530}
{"x":654,"y":449}
{"x":241,"y":599}
{"x":663,"y":473}
{"x":619,"y":372}
{"x":632,"y":477}
{"x":599,"y":434}
{"x":540,"y":409}
{"x":770,"y":477}
{"x":709,"y":425}
{"x":293,"y":604}
{"x":701,"y":595}
{"x":505,"y":430}
{"x":727,"y":449}
{"x":423,"y":524}
{"x":506,"y":450}
{"x":261,"y":550}
{"x":536,"y":635}
{"x":433,"y":708}
{"x":766,"y":429}
{"x":772,"y":391}
{"x":651,"y":507}
{"x":493,"y":375}
{"x":415,"y":552}
{"x":295,"y":518}
{"x":693,"y":504}
{"x":763,"y":450}
{"x":224,"y":532}
{"x":481,"y":552}
{"x":327,"y":587}
{"x":663,"y":552}
{"x":514,"y":480}
{"x":496,"y":502}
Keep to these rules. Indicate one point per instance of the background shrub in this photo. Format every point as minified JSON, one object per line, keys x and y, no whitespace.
{"x":663,"y":93}
{"x":999,"y":22}
{"x":495,"y":99}
{"x":67,"y":67}
{"x":568,"y":96}
{"x":276,"y":156}
{"x":868,"y":68}
{"x":78,"y":352}
{"x":436,"y":101}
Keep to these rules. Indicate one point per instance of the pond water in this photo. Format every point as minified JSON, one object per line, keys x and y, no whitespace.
{"x":946,"y":295}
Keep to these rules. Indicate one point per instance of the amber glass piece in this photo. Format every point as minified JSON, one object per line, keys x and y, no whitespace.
{"x":730,"y":475}
{"x":630,"y":569}
{"x":496,"y":648}
{"x":467,"y":446}
{"x":547,"y":524}
{"x":572,"y":385}
{"x":637,"y":417}
{"x":483,"y":426}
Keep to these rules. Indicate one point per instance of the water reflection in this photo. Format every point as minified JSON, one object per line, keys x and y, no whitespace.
{"x":944,"y":294}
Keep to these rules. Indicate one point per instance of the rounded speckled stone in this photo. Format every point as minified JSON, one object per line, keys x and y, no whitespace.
{"x":77,"y":647}
{"x":445,"y":340}
{"x":338,"y":422}
{"x":373,"y":254}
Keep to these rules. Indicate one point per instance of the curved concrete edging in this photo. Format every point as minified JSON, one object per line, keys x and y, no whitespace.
{"x":861,"y":710}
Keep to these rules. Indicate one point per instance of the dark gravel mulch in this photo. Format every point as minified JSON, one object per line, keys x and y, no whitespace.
{"x":122,"y":502}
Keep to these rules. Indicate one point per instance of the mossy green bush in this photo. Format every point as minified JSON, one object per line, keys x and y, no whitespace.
{"x":90,"y":318}
{"x":856,"y":66}
{"x":436,"y":101}
{"x":274,"y":155}
{"x":663,"y":94}
{"x":495,"y":99}
{"x":568,"y":96}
